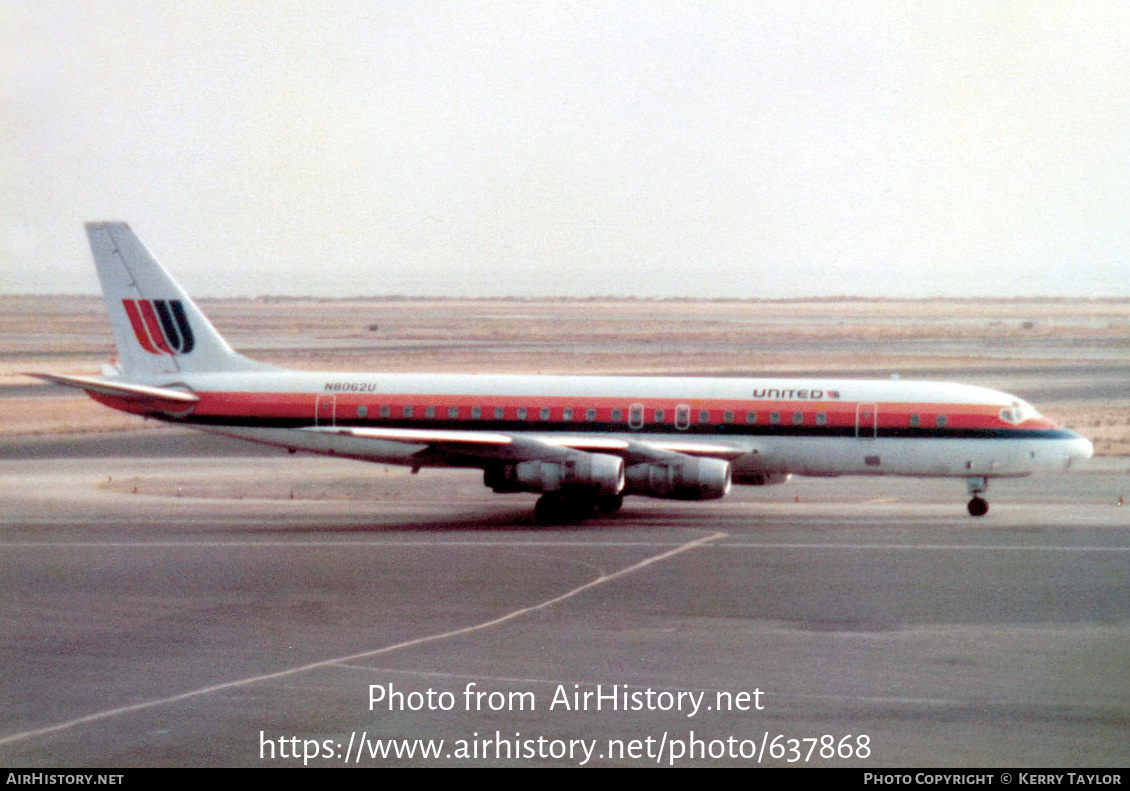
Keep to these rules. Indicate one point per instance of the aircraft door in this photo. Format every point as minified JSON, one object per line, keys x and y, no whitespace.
{"x":866,"y":421}
{"x":325,"y":410}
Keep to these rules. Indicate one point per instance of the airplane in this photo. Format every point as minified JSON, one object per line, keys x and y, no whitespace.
{"x":582,"y":442}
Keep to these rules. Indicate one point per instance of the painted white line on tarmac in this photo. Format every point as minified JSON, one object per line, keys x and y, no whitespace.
{"x":510,"y":616}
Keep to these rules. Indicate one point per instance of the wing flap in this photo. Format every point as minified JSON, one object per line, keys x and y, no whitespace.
{"x":704,"y":449}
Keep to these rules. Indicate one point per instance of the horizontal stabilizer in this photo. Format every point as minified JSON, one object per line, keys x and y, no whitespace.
{"x":142,"y":394}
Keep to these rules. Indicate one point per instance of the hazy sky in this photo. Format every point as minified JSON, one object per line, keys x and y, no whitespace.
{"x":515,"y":148}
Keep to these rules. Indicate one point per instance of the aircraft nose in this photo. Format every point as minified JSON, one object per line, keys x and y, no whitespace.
{"x":1078,"y":449}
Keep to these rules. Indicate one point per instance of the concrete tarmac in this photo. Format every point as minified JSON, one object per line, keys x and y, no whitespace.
{"x":210,"y":620}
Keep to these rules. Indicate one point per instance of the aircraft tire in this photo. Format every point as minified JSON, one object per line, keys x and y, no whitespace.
{"x":549,"y":509}
{"x":609,"y":504}
{"x":556,"y":509}
{"x":978,"y":507}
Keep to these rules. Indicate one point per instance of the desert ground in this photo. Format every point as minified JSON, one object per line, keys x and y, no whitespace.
{"x":1070,"y":358}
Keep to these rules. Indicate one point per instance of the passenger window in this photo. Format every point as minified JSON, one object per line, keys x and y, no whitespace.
{"x":476,"y":412}
{"x":590,"y":414}
{"x":429,"y":411}
{"x":940,"y":421}
{"x":660,"y":415}
{"x":727,"y":417}
{"x":544,"y":413}
{"x":453,"y":412}
{"x":704,"y":416}
{"x":521,"y":413}
{"x":385,"y":411}
{"x":499,"y":412}
{"x":751,"y":417}
{"x":798,"y":418}
{"x":915,"y":421}
{"x":821,"y":418}
{"x":567,"y":413}
{"x":682,"y":416}
{"x":406,"y":411}
{"x":617,"y":415}
{"x":635,"y":416}
{"x":774,"y":418}
{"x":362,"y":411}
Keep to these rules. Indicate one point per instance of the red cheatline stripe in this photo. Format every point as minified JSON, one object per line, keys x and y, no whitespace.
{"x":139,"y":330}
{"x":154,"y":325}
{"x":840,"y":414}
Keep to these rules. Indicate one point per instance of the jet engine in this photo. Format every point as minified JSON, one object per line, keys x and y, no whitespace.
{"x":687,"y":478}
{"x":597,"y":473}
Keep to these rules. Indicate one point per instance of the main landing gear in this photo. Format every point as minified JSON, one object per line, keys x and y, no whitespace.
{"x":555,"y":508}
{"x":976,"y":487}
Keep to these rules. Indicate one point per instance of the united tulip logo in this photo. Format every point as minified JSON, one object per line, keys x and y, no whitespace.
{"x":160,"y":325}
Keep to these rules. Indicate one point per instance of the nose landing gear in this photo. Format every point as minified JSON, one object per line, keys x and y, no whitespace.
{"x":976,"y":487}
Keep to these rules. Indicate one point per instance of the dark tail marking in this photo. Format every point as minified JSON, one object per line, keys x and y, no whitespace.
{"x":160,"y":325}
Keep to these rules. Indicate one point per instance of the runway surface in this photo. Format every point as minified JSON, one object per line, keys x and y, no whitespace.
{"x":209,"y":619}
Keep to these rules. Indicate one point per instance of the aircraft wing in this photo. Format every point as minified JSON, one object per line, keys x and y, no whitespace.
{"x":499,"y":446}
{"x":710,"y":450}
{"x":469,"y":445}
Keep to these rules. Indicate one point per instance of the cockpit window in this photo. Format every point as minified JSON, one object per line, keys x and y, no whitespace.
{"x":1018,"y":412}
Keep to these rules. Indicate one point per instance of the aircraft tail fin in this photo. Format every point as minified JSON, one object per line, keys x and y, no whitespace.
{"x":158,"y":329}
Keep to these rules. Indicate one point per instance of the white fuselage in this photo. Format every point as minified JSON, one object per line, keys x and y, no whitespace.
{"x":772,"y":426}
